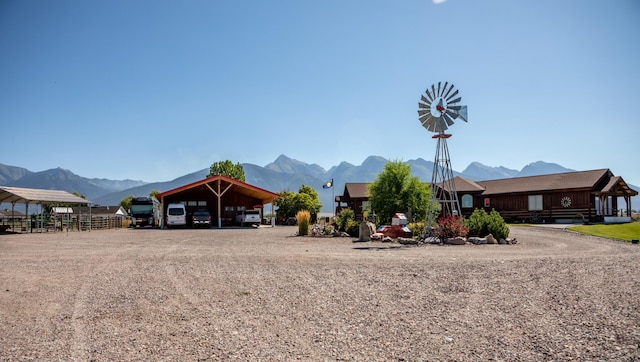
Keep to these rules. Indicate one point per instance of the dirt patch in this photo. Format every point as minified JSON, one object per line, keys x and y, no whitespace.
{"x":264,"y":294}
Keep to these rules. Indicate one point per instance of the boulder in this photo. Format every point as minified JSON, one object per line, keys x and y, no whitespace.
{"x":491,"y":239}
{"x":477,"y":241}
{"x":366,"y":230}
{"x":407,"y":241}
{"x":456,"y":241}
{"x":387,"y":239}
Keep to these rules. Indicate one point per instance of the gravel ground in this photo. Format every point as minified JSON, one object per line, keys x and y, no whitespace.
{"x":264,"y":294}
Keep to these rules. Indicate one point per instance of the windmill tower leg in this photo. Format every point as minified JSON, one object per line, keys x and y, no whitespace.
{"x":443,"y":188}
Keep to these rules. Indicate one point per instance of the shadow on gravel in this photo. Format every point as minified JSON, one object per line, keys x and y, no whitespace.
{"x":389,"y":247}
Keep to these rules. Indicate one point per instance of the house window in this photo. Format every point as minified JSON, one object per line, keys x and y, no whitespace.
{"x":535,"y":202}
{"x":202,"y":203}
{"x":192,"y":203}
{"x":228,"y":208}
{"x":241,"y":208}
{"x":487,"y":202}
{"x":467,"y":201}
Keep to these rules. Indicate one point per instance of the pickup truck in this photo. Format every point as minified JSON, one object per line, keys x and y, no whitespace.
{"x":251,"y":217}
{"x":201,"y":218}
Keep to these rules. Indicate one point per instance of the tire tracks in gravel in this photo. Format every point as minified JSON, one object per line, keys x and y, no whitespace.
{"x":178,"y":283}
{"x":81,"y":315}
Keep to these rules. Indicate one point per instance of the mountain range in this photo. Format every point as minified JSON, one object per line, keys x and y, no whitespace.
{"x":283,"y":174}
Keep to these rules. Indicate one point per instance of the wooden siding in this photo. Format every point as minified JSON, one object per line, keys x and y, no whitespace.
{"x":515,"y":207}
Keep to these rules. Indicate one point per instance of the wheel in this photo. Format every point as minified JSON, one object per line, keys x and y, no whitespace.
{"x":535,"y":217}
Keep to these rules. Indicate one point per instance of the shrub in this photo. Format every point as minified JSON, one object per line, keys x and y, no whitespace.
{"x":497,"y":226}
{"x":477,"y":223}
{"x":482,"y":224}
{"x":417,"y":228}
{"x":353,"y":228}
{"x":450,"y":227}
{"x":343,"y":217}
{"x":303,"y":217}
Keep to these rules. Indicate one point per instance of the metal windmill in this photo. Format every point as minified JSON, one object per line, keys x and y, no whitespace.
{"x":437,"y":110}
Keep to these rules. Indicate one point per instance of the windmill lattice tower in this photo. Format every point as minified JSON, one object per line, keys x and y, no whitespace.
{"x":437,"y":110}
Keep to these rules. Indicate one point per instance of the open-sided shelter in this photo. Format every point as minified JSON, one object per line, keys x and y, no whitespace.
{"x":26,"y":196}
{"x":221,"y":195}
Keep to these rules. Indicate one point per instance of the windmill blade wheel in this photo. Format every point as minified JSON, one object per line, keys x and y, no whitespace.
{"x":535,"y":217}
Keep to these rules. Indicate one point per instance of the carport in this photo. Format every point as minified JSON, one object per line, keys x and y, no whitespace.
{"x":226,"y":191}
{"x":14,"y":195}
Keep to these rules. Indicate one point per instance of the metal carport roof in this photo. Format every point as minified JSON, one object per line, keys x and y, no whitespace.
{"x":37,"y":196}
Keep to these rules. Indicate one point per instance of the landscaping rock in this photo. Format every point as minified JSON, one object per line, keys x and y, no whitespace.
{"x":407,"y":241}
{"x":491,"y":239}
{"x":366,"y":230}
{"x":456,"y":241}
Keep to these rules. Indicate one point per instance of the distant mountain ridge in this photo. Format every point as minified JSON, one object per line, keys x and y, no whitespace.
{"x":283,"y":174}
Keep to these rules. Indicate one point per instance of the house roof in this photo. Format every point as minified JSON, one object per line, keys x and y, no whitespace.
{"x":551,"y":182}
{"x":617,"y":185}
{"x":38,"y":196}
{"x":599,"y":181}
{"x":466,"y":185}
{"x":356,"y":190}
{"x":224,"y":183}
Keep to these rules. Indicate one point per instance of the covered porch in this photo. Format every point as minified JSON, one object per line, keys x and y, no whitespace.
{"x":606,"y":201}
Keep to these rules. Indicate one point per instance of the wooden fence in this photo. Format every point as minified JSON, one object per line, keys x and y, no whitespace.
{"x":45,"y":224}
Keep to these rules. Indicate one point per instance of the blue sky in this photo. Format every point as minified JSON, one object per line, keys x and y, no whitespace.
{"x":153,"y":90}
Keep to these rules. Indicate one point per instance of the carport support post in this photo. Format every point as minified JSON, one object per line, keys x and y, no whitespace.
{"x":219,"y":195}
{"x":219,"y":207}
{"x":273,"y":214}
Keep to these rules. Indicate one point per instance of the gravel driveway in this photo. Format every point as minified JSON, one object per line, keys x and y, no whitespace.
{"x":263,"y":294}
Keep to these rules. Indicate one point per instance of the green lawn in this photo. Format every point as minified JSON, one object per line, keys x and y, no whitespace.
{"x":626,"y":232}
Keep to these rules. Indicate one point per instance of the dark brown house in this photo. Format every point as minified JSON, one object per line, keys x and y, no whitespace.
{"x":562,"y":197}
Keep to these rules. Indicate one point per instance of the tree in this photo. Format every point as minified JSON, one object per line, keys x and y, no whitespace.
{"x":126,"y":202}
{"x":227,"y":168}
{"x":153,"y":193}
{"x":308,"y":199}
{"x":289,"y":203}
{"x":286,"y":204}
{"x":395,"y":189}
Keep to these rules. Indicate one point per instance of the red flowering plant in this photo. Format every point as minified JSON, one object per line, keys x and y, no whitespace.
{"x":450,"y":227}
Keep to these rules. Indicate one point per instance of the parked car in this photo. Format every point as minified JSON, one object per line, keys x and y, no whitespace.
{"x":394,"y":231}
{"x":248,"y":217}
{"x":201,"y":218}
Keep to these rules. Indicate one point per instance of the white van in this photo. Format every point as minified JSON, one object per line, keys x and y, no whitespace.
{"x":176,"y":215}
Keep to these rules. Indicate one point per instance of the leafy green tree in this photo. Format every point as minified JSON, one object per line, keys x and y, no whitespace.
{"x":395,"y":189}
{"x":227,"y":168}
{"x":286,"y":204}
{"x":153,"y":193}
{"x":289,"y":203}
{"x":126,"y":202}
{"x":308,"y":199}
